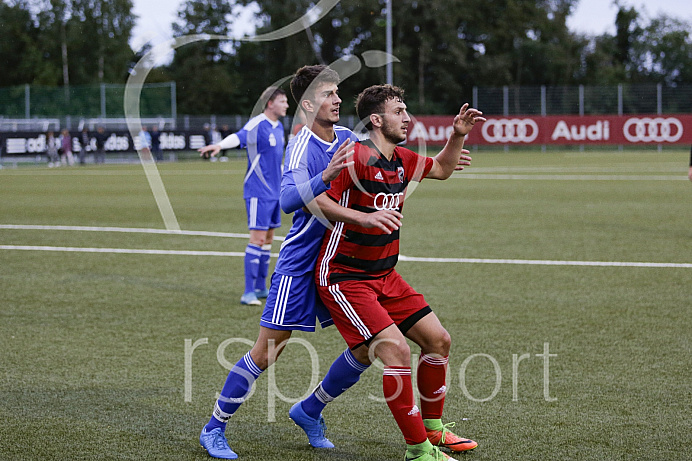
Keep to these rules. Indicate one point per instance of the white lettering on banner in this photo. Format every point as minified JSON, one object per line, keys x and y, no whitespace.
{"x":387,"y":201}
{"x":26,"y":145}
{"x":657,"y":129}
{"x":117,"y":143}
{"x":197,"y":141}
{"x":438,"y":133}
{"x":599,"y":131}
{"x":514,"y":130}
{"x":171,"y":141}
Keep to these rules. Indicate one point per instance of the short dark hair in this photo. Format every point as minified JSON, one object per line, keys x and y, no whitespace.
{"x":270,"y":94}
{"x":372,"y":100}
{"x":306,"y":75}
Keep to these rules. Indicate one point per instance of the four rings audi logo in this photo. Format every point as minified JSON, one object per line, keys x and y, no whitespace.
{"x":513,"y":130}
{"x":388,"y":201}
{"x":657,"y":129}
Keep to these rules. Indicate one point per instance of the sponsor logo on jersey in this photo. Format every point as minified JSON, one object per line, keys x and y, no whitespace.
{"x":384,"y":201}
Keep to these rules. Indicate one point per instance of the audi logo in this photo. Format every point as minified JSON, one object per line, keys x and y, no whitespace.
{"x":388,"y":201}
{"x":514,"y":130}
{"x":657,"y":129}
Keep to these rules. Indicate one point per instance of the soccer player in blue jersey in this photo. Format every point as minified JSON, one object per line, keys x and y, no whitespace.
{"x":263,"y":137}
{"x":314,"y":157}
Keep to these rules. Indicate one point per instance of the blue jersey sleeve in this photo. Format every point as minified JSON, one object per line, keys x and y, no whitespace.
{"x":242,"y":135}
{"x":302,"y":178}
{"x":294,"y":195}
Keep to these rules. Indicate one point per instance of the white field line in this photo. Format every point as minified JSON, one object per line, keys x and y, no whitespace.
{"x":128,"y":230}
{"x":537,"y":262}
{"x":529,"y":262}
{"x":242,"y":254}
{"x":633,"y":169}
{"x":565,"y":177}
{"x":122,"y":251}
{"x":133,"y":172}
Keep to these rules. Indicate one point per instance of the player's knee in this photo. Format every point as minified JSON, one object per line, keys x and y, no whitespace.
{"x":259,"y":241}
{"x":439,"y":344}
{"x":362,"y":355}
{"x":263,"y":356}
{"x":402,"y":352}
{"x":260,"y":357}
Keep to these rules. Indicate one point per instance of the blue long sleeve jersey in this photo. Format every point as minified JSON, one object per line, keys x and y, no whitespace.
{"x":307,"y":156}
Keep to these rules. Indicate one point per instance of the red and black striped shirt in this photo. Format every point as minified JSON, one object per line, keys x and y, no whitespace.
{"x":351,"y":252}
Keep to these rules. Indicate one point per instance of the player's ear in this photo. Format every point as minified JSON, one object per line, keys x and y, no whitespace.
{"x":307,"y":106}
{"x":376,"y":120}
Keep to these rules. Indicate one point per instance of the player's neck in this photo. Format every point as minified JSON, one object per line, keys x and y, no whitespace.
{"x":323,"y":130}
{"x":271,"y":115}
{"x":384,"y":145}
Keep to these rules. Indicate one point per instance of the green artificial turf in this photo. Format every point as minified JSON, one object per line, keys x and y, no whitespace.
{"x":93,"y":345}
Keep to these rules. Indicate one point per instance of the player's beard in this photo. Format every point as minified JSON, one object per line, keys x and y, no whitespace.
{"x":392,"y":133}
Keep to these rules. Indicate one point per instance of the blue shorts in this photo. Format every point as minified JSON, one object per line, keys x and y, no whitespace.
{"x":262,"y":214}
{"x":293,"y":304}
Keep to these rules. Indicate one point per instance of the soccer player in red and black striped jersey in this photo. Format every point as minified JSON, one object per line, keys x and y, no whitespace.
{"x":372,"y":306}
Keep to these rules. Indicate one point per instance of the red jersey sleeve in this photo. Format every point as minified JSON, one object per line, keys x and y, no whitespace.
{"x":418,"y":165}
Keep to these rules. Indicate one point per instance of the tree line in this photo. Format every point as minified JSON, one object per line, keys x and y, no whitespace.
{"x":445,"y":47}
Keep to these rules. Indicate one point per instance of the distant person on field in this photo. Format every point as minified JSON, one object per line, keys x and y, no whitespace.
{"x":84,"y":141}
{"x":66,"y":157}
{"x":225,"y":132}
{"x":52,"y":147}
{"x":208,"y":140}
{"x":689,"y":175}
{"x":156,"y":143}
{"x":145,"y":141}
{"x":101,"y":138}
{"x":263,"y":137}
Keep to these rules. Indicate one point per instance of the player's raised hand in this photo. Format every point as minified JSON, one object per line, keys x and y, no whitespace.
{"x":466,"y":119}
{"x":338,"y":162}
{"x":464,"y":160}
{"x":386,"y":220}
{"x":209,"y":151}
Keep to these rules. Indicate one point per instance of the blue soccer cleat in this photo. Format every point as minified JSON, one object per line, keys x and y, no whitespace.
{"x":216,"y":445}
{"x":314,"y":428}
{"x":262,"y":293}
{"x":250,"y":299}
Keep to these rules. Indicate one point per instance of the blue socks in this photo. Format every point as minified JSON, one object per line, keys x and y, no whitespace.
{"x":253,"y":256}
{"x":344,"y":373}
{"x":263,"y":270}
{"x":238,"y":384}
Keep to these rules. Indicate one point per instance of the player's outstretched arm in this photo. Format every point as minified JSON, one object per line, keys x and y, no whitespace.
{"x":229,"y":142}
{"x":386,"y":220}
{"x":452,"y":155}
{"x":210,"y":150}
{"x":690,"y":174}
